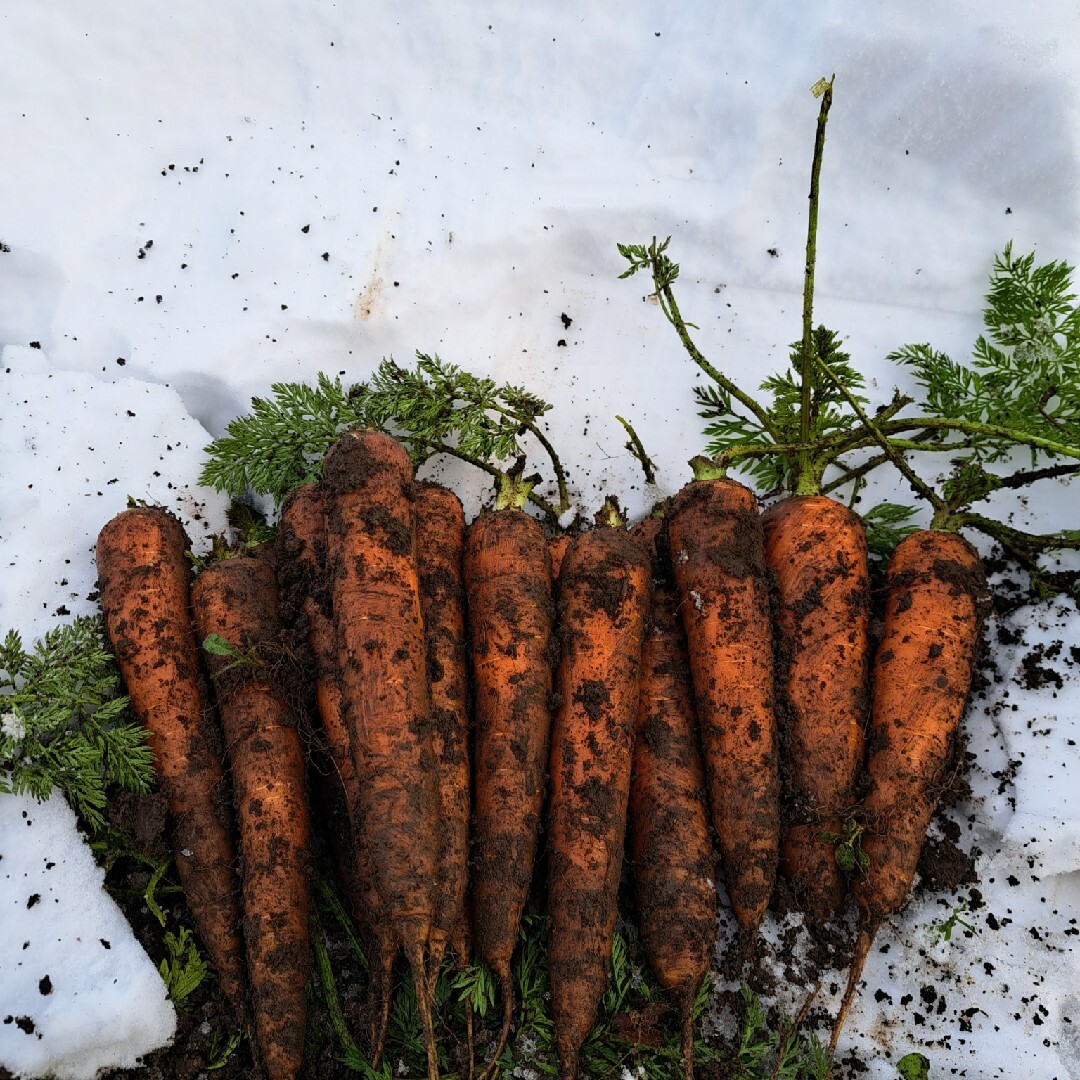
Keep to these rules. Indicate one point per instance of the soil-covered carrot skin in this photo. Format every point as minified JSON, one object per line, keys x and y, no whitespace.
{"x":673,"y":863}
{"x":511,"y":625}
{"x":935,"y":599}
{"x":717,"y":554}
{"x":816,"y":548}
{"x":440,"y":546}
{"x":935,"y":594}
{"x":304,"y":601}
{"x":237,"y":599}
{"x":375,"y":595}
{"x":603,"y":600}
{"x":145,"y":580}
{"x":557,"y":546}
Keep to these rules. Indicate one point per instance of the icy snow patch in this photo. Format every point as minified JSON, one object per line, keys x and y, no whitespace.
{"x":77,"y":991}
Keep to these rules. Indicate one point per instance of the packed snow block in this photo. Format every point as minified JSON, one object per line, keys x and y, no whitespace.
{"x":75,"y":447}
{"x":77,"y":991}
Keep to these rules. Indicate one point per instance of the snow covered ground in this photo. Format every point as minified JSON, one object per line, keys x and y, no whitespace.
{"x":201,"y":199}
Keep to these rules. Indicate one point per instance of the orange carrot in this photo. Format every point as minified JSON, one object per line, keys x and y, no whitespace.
{"x":145,"y":580}
{"x":673,"y":863}
{"x":371,"y":561}
{"x":557,"y":546}
{"x":305,"y":602}
{"x":935,"y":591}
{"x":603,"y":600}
{"x":717,"y":553}
{"x":237,"y":600}
{"x":440,"y":543}
{"x":511,"y":619}
{"x":816,"y":549}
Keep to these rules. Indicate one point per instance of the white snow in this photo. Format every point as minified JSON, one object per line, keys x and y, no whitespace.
{"x":175,"y":173}
{"x":77,"y":991}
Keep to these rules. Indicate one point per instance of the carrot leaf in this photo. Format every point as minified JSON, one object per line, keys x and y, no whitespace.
{"x":886,"y":525}
{"x":732,"y":431}
{"x":475,"y":984}
{"x":183,"y":969}
{"x":280,"y":444}
{"x":942,"y":930}
{"x":850,"y":856}
{"x":1023,"y":379}
{"x":222,"y":1048}
{"x":64,"y":721}
{"x":434,"y":408}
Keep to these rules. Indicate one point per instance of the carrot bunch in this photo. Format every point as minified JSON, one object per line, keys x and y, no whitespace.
{"x":390,"y":693}
{"x":454,"y":682}
{"x":254,"y":923}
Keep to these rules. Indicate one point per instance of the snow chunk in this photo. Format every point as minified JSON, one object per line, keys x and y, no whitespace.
{"x":77,"y":991}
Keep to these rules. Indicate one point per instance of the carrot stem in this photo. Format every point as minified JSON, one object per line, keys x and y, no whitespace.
{"x":806,"y":483}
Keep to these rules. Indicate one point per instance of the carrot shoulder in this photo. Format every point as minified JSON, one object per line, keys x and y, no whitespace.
{"x":717,"y":554}
{"x":440,"y":543}
{"x":671,"y":852}
{"x":237,"y":599}
{"x":511,"y":621}
{"x":935,"y":591}
{"x":371,"y":561}
{"x":603,"y":599}
{"x":145,"y":581}
{"x":816,"y":548}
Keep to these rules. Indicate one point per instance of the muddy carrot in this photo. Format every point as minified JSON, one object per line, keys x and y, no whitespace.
{"x":603,"y":598}
{"x":145,"y":581}
{"x":717,"y":553}
{"x":557,"y":546}
{"x":671,"y":852}
{"x":440,"y":544}
{"x":935,"y":592}
{"x":511,"y":620}
{"x":304,"y":599}
{"x":816,"y":549}
{"x":371,"y":561}
{"x":237,"y":599}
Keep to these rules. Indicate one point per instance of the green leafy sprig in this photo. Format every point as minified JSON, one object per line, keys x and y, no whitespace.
{"x":1024,"y":375}
{"x":434,"y":408}
{"x":64,"y":721}
{"x":809,"y":431}
{"x":183,"y":969}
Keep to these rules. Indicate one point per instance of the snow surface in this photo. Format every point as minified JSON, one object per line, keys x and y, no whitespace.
{"x":203,"y":199}
{"x":77,"y":991}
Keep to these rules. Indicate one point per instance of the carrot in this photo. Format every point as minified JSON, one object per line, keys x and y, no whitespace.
{"x":603,"y":599}
{"x":237,"y":599}
{"x":371,"y":562}
{"x":304,"y":599}
{"x":816,"y":549}
{"x":557,"y":546}
{"x":717,"y":553}
{"x":440,"y":544}
{"x":671,"y":852}
{"x":145,"y":580}
{"x":511,"y":622}
{"x":935,"y":591}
